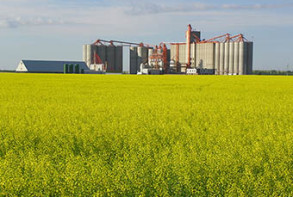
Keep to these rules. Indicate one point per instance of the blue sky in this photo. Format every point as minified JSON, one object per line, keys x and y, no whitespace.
{"x":56,"y":30}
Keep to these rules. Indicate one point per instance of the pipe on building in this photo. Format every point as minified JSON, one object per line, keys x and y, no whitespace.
{"x":188,"y":42}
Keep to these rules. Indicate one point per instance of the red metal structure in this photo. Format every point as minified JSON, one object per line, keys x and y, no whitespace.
{"x":160,"y":55}
{"x":97,"y":59}
{"x":225,"y":38}
{"x":188,"y":42}
{"x":111,"y":43}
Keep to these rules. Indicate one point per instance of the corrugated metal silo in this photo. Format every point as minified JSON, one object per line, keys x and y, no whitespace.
{"x":217,"y":58}
{"x":118,"y":59}
{"x":226,"y":61}
{"x":250,"y":58}
{"x":192,"y":54}
{"x":209,"y":62}
{"x":102,"y":52}
{"x":84,"y":53}
{"x":145,"y":56}
{"x":245,"y":58}
{"x":241,"y":58}
{"x":182,"y":57}
{"x":89,"y":59}
{"x":139,"y":57}
{"x":110,"y":58}
{"x":222,"y":58}
{"x":133,"y":60}
{"x":197,"y":55}
{"x":236,"y":58}
{"x":150,"y":52}
{"x":231,"y":58}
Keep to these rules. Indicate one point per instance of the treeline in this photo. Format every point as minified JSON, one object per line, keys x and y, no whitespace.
{"x":6,"y":71}
{"x":272,"y":72}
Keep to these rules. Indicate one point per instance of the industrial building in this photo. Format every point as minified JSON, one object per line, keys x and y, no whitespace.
{"x":226,"y":54}
{"x":100,"y":56}
{"x":37,"y":66}
{"x":221,"y":55}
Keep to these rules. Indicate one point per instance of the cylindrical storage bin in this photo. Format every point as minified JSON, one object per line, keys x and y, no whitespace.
{"x":65,"y":68}
{"x":77,"y":68}
{"x":71,"y":68}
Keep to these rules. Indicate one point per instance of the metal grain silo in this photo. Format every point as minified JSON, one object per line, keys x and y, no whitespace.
{"x":182,"y":57}
{"x":209,"y":62}
{"x":102,"y":52}
{"x":150,"y":53}
{"x":226,"y":61}
{"x":217,"y":58}
{"x":250,"y":58}
{"x":245,"y":58}
{"x":66,"y":68}
{"x":173,"y":52}
{"x":118,"y":58}
{"x":192,"y":54}
{"x":139,"y":57}
{"x":241,"y":57}
{"x":84,"y":53}
{"x":231,"y":58}
{"x":201,"y":57}
{"x":145,"y":56}
{"x":222,"y":58}
{"x":197,"y":55}
{"x":133,"y":60}
{"x":110,"y":58}
{"x":71,"y":68}
{"x":236,"y":58}
{"x":76,"y":69}
{"x":89,"y":53}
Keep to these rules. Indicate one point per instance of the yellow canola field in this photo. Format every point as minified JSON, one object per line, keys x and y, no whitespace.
{"x":106,"y":135}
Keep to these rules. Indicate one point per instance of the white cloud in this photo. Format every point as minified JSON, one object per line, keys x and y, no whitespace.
{"x":41,"y":12}
{"x":19,"y":21}
{"x":142,"y":8}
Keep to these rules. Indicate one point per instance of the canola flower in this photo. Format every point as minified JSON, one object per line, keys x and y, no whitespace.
{"x":103,"y":135}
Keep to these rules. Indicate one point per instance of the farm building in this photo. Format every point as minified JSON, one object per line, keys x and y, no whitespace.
{"x":37,"y":66}
{"x":221,"y":55}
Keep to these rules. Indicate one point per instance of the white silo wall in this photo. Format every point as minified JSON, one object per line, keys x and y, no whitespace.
{"x":245,"y":58}
{"x":89,"y":53}
{"x":226,"y":62}
{"x":217,"y":58}
{"x":84,"y":53}
{"x":231,"y":57}
{"x":241,"y":57}
{"x":209,"y":55}
{"x":222,"y":58}
{"x":151,"y":51}
{"x":182,"y":54}
{"x":192,"y":54}
{"x":139,"y":58}
{"x":236,"y":57}
{"x":182,"y":57}
{"x":173,"y":52}
{"x":250,"y":60}
{"x":202,"y":56}
{"x":197,"y":55}
{"x":133,"y":60}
